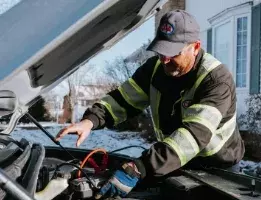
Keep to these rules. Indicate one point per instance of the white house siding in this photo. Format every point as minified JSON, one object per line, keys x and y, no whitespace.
{"x":204,"y":9}
{"x":256,"y":2}
{"x":212,"y":14}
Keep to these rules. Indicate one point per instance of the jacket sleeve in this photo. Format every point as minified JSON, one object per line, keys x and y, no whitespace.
{"x":176,"y":150}
{"x":127,"y":101}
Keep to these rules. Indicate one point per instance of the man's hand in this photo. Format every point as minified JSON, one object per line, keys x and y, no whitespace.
{"x":82,"y":129}
{"x":121,"y":182}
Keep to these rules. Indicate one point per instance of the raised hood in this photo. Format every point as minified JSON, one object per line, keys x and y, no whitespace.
{"x":44,"y":41}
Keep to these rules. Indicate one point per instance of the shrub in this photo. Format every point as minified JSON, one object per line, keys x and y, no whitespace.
{"x":251,"y":120}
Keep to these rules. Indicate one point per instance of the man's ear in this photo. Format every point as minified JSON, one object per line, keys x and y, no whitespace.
{"x":197,"y":46}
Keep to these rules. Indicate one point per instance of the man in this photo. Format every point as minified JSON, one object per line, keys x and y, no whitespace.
{"x":193,"y":102}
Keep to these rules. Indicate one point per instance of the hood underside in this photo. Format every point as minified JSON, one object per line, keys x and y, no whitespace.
{"x":44,"y":41}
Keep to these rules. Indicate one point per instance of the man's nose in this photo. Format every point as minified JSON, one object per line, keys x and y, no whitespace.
{"x":164,"y":59}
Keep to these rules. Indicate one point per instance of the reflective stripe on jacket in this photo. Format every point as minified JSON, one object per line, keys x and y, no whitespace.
{"x":132,"y":94}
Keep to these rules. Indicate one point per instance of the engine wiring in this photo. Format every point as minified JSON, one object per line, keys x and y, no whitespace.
{"x":104,"y":162}
{"x":89,"y":159}
{"x":105,"y":158}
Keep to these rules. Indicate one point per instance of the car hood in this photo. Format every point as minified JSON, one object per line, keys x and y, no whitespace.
{"x":44,"y":41}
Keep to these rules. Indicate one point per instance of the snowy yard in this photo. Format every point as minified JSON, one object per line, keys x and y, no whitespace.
{"x":110,"y":140}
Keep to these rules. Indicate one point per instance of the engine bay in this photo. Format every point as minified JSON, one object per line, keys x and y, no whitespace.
{"x":83,"y":187}
{"x":34,"y":172}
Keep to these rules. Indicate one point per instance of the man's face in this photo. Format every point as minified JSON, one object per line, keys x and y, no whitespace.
{"x":182,"y":63}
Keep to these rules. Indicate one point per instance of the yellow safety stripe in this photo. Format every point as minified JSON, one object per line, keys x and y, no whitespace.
{"x":176,"y":148}
{"x":220,"y":138}
{"x":155,"y":68}
{"x":156,"y":96}
{"x":118,"y":113}
{"x":183,"y":144}
{"x":134,"y":95}
{"x":159,"y":134}
{"x":208,"y":64}
{"x":205,"y":115}
{"x":208,"y":69}
{"x":138,"y":89}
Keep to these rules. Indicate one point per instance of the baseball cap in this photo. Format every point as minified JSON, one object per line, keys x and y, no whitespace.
{"x":176,"y":29}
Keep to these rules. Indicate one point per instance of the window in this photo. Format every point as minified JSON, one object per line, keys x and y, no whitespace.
{"x":241,"y":52}
{"x":222,"y":43}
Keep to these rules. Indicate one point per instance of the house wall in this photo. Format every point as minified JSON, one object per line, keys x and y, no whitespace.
{"x":255,"y":2}
{"x":204,"y":9}
{"x":212,"y":14}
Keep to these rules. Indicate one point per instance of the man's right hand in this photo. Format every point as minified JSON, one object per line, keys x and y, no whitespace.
{"x":82,"y":129}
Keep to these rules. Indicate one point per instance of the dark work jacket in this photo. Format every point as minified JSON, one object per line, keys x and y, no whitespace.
{"x":217,"y":89}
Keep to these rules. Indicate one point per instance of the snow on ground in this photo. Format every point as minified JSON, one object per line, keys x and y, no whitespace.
{"x":110,"y":140}
{"x":250,"y":168}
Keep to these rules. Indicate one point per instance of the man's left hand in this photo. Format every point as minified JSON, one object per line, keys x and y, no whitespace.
{"x":121,"y":182}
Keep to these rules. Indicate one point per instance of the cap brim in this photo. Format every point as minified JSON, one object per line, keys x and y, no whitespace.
{"x":165,"y":48}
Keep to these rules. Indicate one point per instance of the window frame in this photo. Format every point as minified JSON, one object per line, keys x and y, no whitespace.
{"x":231,"y":15}
{"x":247,"y":50}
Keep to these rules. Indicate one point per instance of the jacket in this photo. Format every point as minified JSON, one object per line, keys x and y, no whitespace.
{"x":194,"y":115}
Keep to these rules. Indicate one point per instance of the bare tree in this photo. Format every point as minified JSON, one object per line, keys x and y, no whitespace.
{"x":53,"y":102}
{"x":72,"y":84}
{"x":118,"y":71}
{"x":75,"y":80}
{"x":115,"y":73}
{"x":140,"y":55}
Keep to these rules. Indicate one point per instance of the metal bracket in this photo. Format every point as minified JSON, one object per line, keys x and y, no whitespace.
{"x":157,"y":8}
{"x":19,"y":112}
